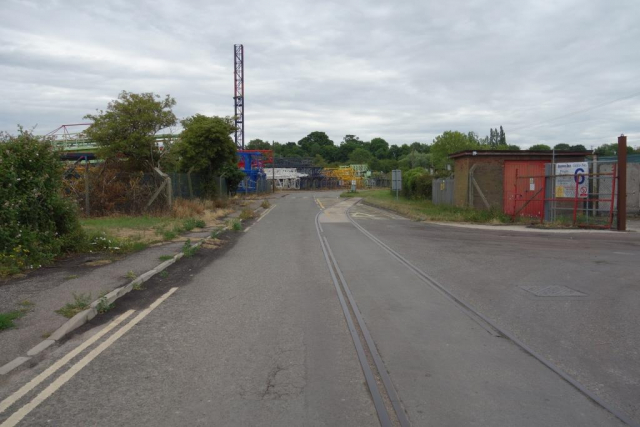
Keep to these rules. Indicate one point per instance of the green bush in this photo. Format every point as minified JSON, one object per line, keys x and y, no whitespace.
{"x":416,"y":184}
{"x":36,"y":222}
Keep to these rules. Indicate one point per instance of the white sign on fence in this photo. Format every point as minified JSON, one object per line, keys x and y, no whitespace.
{"x":567,"y":175}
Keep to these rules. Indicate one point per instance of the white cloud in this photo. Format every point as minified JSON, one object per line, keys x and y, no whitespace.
{"x":405,"y":72}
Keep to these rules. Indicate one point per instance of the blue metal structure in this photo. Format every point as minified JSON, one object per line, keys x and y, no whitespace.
{"x":250,"y":163}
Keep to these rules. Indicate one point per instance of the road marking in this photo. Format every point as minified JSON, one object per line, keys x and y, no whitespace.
{"x":265,"y":213}
{"x":64,"y":378}
{"x":320,"y":203}
{"x":5,"y":404}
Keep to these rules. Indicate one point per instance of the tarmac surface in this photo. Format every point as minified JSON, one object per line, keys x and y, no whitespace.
{"x":255,"y":335}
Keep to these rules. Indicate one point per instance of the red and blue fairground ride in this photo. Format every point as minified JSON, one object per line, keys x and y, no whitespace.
{"x":250,"y":162}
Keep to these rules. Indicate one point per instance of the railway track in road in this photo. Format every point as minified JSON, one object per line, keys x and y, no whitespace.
{"x":482,"y":320}
{"x":385,"y":398}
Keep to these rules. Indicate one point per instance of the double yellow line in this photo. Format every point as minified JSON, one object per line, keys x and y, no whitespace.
{"x":17,"y":416}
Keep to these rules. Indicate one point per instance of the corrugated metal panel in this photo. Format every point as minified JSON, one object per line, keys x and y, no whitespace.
{"x":524,"y":188}
{"x":442,"y":191}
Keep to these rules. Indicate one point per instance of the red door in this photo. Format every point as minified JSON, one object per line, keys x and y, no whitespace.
{"x":524,"y":188}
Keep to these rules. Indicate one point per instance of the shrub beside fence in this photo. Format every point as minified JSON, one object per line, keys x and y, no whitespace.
{"x":416,"y":184}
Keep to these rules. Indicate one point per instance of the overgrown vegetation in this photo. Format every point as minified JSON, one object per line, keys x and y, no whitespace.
{"x":103,"y":305}
{"x":80,"y":303}
{"x":416,"y":184}
{"x":265,"y":204}
{"x":6,"y":319}
{"x":188,"y":249}
{"x":421,"y":210}
{"x":247,"y":214}
{"x":36,"y":223}
{"x":234,"y":224}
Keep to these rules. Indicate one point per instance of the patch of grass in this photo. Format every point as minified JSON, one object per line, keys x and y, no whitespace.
{"x":80,"y":303}
{"x":138,"y":287}
{"x":6,"y":319}
{"x":247,"y":214}
{"x":103,"y":306}
{"x":169,"y":235}
{"x":234,"y":224}
{"x":191,"y":223}
{"x":132,"y":222}
{"x":103,"y":242}
{"x":424,"y":210}
{"x":265,"y":204}
{"x":165,"y":257}
{"x":348,"y":194}
{"x":26,"y":304}
{"x":188,"y":249}
{"x":164,"y":274}
{"x":216,"y":232}
{"x":130,"y":275}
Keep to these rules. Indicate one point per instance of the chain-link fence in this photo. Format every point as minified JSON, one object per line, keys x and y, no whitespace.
{"x":106,"y":189}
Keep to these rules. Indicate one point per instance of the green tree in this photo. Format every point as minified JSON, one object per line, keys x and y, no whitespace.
{"x":379,"y":148}
{"x":360,"y":156}
{"x":387,"y":165}
{"x":232,"y":175}
{"x":128,"y":128}
{"x":448,"y":143}
{"x":502,"y":139}
{"x":562,"y":147}
{"x":319,"y":161}
{"x":206,"y":146}
{"x":348,"y":145}
{"x":540,"y":147}
{"x":258,"y":144}
{"x":290,"y":149}
{"x":578,"y":147}
{"x":319,"y":139}
{"x":415,"y":159}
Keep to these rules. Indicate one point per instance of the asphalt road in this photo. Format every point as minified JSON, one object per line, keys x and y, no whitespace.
{"x":256,"y":334}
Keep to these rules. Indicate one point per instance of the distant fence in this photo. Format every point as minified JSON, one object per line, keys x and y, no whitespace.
{"x":105,"y":189}
{"x":194,"y":186}
{"x":442,"y":191}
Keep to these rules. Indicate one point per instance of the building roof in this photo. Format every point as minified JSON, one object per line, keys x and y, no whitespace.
{"x":522,"y":153}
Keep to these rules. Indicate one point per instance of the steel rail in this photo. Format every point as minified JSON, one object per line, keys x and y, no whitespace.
{"x":378,"y":403}
{"x":384,"y":375}
{"x":435,"y":284}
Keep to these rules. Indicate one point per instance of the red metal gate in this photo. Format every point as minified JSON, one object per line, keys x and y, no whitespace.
{"x":524,"y":187}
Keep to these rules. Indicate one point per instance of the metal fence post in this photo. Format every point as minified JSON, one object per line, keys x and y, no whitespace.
{"x":622,"y":183}
{"x":87,"y":203}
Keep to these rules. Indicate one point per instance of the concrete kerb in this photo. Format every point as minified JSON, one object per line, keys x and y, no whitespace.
{"x":85,"y":316}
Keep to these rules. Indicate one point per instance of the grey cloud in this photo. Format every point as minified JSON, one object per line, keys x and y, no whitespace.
{"x":406,"y":71}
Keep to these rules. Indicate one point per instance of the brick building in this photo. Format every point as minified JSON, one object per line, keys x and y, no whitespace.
{"x":490,"y":169}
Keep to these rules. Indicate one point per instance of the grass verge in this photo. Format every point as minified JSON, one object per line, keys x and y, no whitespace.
{"x":424,"y":210}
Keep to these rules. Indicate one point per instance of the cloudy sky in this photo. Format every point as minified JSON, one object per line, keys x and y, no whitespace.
{"x":548,"y":71}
